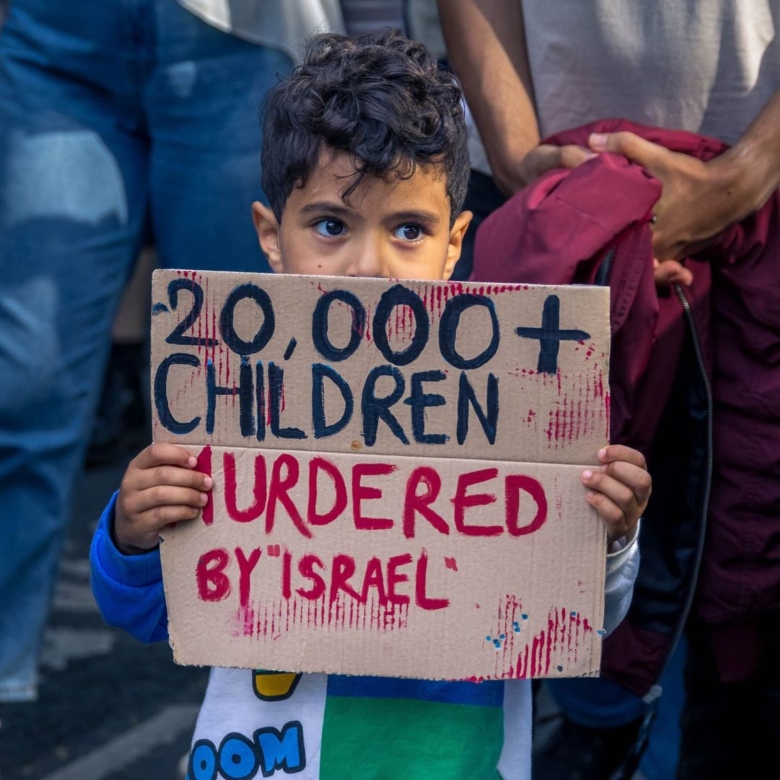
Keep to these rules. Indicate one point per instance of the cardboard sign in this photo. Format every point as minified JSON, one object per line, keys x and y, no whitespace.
{"x":396,"y":473}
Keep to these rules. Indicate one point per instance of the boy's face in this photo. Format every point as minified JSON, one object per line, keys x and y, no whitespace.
{"x":398,"y":229}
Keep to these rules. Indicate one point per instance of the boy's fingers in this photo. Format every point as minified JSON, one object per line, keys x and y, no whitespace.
{"x":617,"y":505}
{"x":140,"y":515}
{"x":619,"y":452}
{"x":143,"y":532}
{"x":607,"y":508}
{"x":161,"y":453}
{"x":635,"y":478}
{"x":617,"y":522}
{"x":158,"y":504}
{"x":169,"y":495}
{"x":172,"y":476}
{"x":617,"y":491}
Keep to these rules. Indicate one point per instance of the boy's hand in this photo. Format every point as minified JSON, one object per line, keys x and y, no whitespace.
{"x":619,"y":490}
{"x":160,"y":487}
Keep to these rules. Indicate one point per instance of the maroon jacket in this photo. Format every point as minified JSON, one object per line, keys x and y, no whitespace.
{"x":591,"y":225}
{"x":739,"y":584}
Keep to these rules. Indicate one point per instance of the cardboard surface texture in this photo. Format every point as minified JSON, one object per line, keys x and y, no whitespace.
{"x":396,"y":473}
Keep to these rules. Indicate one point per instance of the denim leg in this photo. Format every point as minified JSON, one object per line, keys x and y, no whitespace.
{"x":596,"y":703}
{"x":663,"y":747}
{"x":72,"y":200}
{"x":203,"y":103}
{"x":87,"y":89}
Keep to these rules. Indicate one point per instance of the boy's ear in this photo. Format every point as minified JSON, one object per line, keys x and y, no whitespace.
{"x":267,"y":227}
{"x":459,"y":228}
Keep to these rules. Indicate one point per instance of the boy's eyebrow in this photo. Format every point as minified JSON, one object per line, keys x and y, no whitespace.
{"x":330,"y":206}
{"x":339,"y":209}
{"x":416,"y":215}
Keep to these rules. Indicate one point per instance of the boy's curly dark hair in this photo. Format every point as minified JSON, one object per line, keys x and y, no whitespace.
{"x":382,"y":99}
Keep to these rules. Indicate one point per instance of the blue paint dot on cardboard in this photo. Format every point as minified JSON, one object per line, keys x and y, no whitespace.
{"x":601,"y":631}
{"x":516,"y":627}
{"x":573,"y":615}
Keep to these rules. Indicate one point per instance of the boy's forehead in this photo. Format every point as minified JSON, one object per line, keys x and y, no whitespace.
{"x":339,"y":170}
{"x":340,"y":164}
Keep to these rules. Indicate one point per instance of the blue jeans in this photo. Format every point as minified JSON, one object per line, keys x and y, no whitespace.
{"x":118,"y":119}
{"x":602,"y":704}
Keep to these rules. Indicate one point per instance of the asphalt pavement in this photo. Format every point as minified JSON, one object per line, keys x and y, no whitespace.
{"x":109,"y":707}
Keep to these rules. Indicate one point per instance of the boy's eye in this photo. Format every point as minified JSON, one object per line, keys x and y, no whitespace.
{"x":329,"y":227}
{"x":408,"y":232}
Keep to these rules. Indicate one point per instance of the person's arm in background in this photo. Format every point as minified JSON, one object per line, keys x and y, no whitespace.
{"x":486,"y":48}
{"x":700,"y":199}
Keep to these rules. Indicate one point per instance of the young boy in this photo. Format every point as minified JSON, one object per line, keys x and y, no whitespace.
{"x":365,"y":166}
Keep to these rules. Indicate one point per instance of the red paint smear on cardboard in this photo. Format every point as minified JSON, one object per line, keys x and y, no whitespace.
{"x":271,"y":619}
{"x":564,"y":631}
